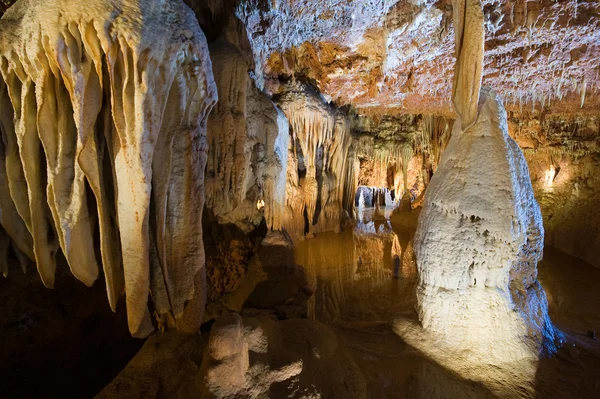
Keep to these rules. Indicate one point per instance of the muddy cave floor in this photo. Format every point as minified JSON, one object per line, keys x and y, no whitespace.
{"x":54,"y":345}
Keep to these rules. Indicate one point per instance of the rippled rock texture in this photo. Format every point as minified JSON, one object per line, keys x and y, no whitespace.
{"x":389,"y":56}
{"x":103,"y":120}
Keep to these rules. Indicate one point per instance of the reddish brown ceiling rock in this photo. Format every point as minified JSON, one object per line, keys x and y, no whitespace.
{"x":391,"y":57}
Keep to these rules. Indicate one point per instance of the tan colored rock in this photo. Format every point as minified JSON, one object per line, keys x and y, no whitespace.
{"x":396,"y":57}
{"x":568,"y":200}
{"x":319,"y":179}
{"x":226,"y":370}
{"x":114,"y":98}
{"x":469,"y":43}
{"x":247,"y":137}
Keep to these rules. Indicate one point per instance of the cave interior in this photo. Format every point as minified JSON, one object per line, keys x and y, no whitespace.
{"x":300,"y":199}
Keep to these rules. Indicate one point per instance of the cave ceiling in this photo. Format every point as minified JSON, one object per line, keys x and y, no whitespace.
{"x":391,"y":59}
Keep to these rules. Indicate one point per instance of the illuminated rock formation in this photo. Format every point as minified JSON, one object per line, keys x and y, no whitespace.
{"x":226,"y":368}
{"x":386,"y":56}
{"x":480,"y":233}
{"x":469,"y":38}
{"x":103,"y":109}
{"x":320,"y":180}
{"x":478,"y":241}
{"x":247,"y":138}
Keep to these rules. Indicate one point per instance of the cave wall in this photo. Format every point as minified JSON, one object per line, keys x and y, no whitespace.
{"x":396,"y":57}
{"x":570,"y":195}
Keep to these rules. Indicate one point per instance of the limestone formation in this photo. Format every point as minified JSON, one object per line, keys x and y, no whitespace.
{"x":478,"y":241}
{"x":398,"y":152}
{"x":469,"y":41}
{"x":247,"y":137}
{"x":480,"y":233}
{"x":387,"y":57}
{"x":319,"y":177}
{"x":244,"y":357}
{"x":103,"y":123}
{"x":226,"y":370}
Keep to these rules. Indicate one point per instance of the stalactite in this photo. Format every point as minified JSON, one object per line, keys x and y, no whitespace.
{"x":109,"y":102}
{"x":320,"y":139}
{"x":351,"y":180}
{"x":228,"y":162}
{"x":275,"y":189}
{"x":583,"y":89}
{"x":469,"y":38}
{"x":406,"y":154}
{"x":246,"y":157}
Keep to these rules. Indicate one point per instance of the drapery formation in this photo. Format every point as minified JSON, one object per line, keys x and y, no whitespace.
{"x":102,"y":113}
{"x":320,"y":177}
{"x":247,"y":137}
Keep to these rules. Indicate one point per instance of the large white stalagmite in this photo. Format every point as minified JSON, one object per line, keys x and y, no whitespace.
{"x":480,"y":234}
{"x":478,"y":241}
{"x":107,"y":100}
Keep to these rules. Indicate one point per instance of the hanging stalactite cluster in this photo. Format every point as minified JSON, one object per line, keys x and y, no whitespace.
{"x":102,"y":114}
{"x":247,"y":135}
{"x":318,"y":166}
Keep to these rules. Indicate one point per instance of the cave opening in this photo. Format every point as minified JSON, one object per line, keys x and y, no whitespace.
{"x":376,"y":184}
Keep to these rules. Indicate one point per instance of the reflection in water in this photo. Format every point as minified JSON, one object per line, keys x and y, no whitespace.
{"x":363,"y":278}
{"x":366,"y":276}
{"x":355,"y":275}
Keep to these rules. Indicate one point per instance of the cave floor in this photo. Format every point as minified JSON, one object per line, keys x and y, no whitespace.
{"x":353,"y":274}
{"x":359,"y":291}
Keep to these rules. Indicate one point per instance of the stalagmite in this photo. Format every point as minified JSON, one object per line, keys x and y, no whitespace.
{"x":478,"y":241}
{"x":112,"y":98}
{"x":480,"y":237}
